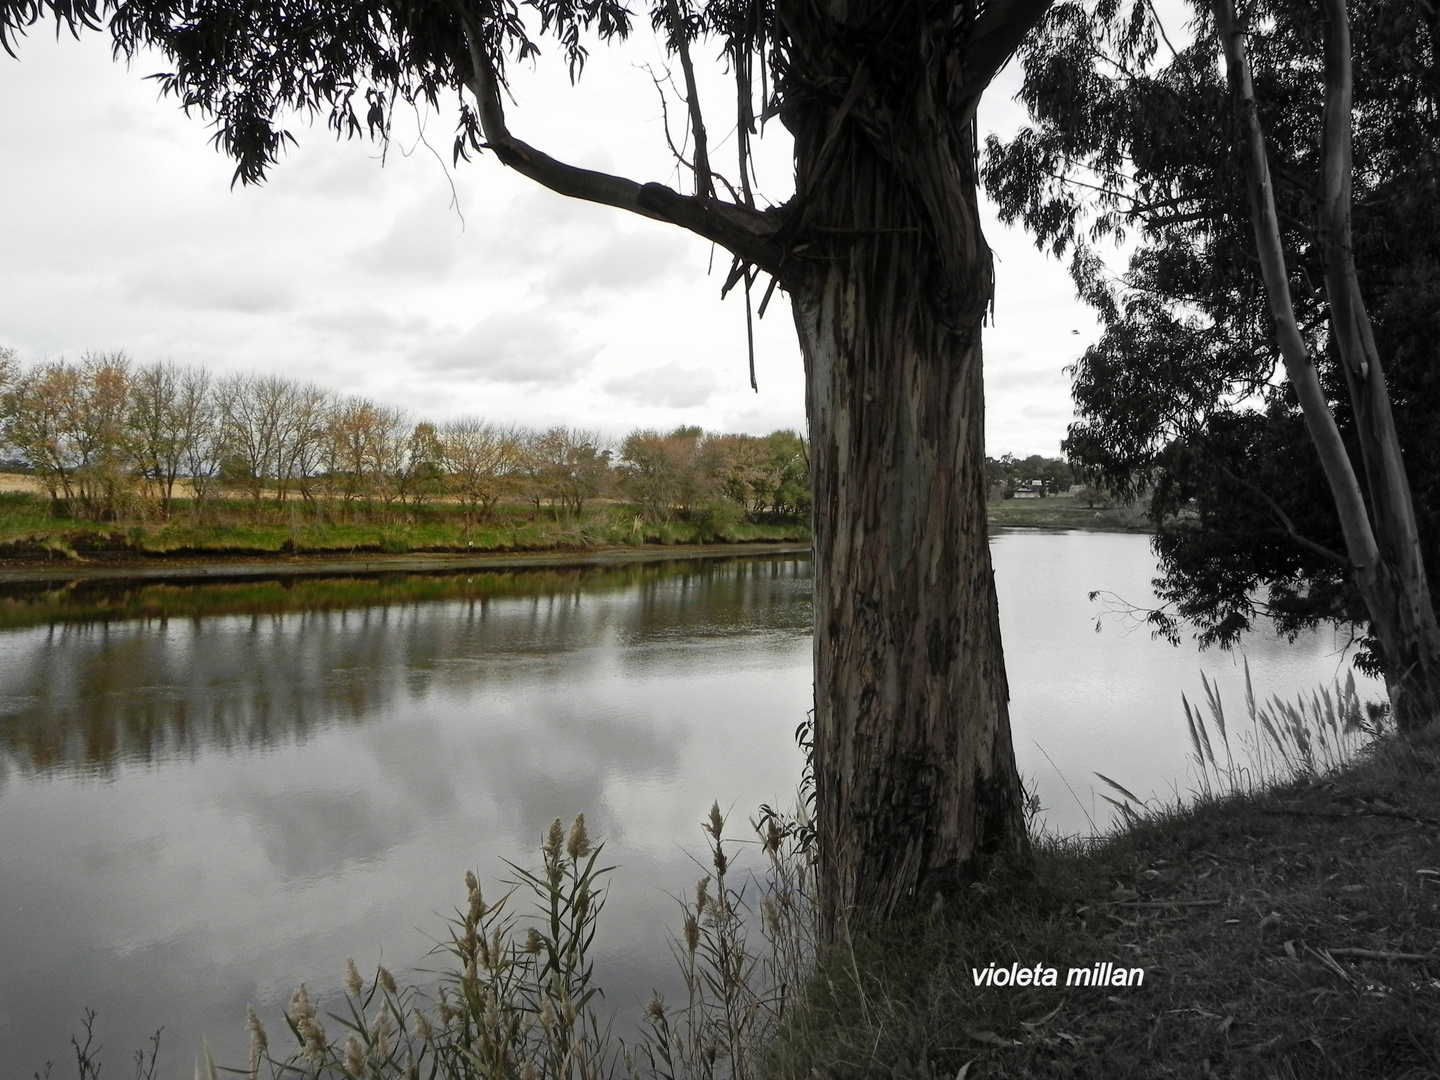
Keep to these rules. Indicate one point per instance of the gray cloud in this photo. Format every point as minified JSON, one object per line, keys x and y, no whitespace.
{"x":514,"y":347}
{"x":572,"y":249}
{"x":186,"y":282}
{"x":423,"y":241}
{"x":616,"y":262}
{"x":368,"y":327}
{"x":676,"y":386}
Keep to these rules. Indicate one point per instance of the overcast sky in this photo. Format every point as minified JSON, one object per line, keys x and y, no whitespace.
{"x":119,"y":230}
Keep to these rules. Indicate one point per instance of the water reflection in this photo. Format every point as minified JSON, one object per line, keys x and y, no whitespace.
{"x":85,"y":694}
{"x":204,"y":812}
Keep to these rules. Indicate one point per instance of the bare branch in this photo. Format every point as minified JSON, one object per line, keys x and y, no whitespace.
{"x":746,"y":232}
{"x":703,"y":187}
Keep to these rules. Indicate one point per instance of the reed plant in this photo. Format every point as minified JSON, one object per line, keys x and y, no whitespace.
{"x":1286,"y":741}
{"x":737,"y":992}
{"x":1309,"y":737}
{"x":518,"y":998}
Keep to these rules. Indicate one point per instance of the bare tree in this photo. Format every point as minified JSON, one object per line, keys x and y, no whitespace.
{"x":301,"y":450}
{"x":566,"y":466}
{"x":158,"y":428}
{"x":255,"y":414}
{"x":480,"y":462}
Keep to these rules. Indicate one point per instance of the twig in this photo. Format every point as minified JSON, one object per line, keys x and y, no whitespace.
{"x":1379,"y":954}
{"x":1166,"y":903}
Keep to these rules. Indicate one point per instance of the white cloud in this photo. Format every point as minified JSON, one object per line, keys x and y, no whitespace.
{"x":512,"y":347}
{"x":673,"y":386}
{"x":423,"y":241}
{"x":189,"y":279}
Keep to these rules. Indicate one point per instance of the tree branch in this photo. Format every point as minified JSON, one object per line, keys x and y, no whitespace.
{"x":1286,"y":525}
{"x":994,"y":38}
{"x":744,"y":231}
{"x":703,"y":187}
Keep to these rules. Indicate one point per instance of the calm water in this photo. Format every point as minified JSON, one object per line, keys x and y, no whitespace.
{"x":197,"y":813}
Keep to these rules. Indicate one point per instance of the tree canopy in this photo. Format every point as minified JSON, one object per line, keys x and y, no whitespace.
{"x":1135,"y":137}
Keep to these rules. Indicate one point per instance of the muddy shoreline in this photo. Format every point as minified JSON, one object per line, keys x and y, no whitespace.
{"x":116,"y":567}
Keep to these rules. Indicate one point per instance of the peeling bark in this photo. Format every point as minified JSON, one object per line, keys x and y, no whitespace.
{"x":915,"y":774}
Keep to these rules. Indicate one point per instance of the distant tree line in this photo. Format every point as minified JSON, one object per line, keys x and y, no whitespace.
{"x":1005,"y":474}
{"x":107,"y":438}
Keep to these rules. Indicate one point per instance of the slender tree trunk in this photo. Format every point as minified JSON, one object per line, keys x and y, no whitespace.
{"x":1397,"y":593}
{"x":915,"y":773}
{"x":1381,"y":537}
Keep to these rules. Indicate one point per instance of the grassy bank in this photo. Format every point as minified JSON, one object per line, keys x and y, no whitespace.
{"x":1292,"y":933}
{"x":1067,"y":512}
{"x":29,"y":530}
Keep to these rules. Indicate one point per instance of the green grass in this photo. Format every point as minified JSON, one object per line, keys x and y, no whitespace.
{"x":1285,"y":932}
{"x":1066,"y":512}
{"x":234,"y":527}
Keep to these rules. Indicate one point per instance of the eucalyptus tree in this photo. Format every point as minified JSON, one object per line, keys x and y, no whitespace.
{"x":889,"y":278}
{"x":1236,"y":157}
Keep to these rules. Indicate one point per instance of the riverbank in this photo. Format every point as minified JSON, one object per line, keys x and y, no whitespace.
{"x":1068,"y":512}
{"x":237,"y":539}
{"x":224,"y":567}
{"x":237,"y":542}
{"x":1293,"y":933}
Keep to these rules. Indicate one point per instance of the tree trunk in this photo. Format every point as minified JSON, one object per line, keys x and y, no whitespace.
{"x":915,"y":774}
{"x":1396,"y":591}
{"x":1381,"y":538}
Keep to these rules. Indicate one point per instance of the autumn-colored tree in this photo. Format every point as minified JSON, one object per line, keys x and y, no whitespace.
{"x":481,"y":460}
{"x":564,"y":466}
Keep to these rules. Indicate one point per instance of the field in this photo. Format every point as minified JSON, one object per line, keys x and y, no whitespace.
{"x":1067,"y":512}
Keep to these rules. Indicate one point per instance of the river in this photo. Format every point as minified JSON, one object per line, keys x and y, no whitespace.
{"x":202,"y":811}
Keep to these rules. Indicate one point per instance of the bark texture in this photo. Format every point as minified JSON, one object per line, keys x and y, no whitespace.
{"x":890,"y":283}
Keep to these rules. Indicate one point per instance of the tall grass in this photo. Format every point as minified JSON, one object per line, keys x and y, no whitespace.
{"x":1277,"y":743}
{"x":737,"y":991}
{"x":1316,"y":734}
{"x":518,"y":999}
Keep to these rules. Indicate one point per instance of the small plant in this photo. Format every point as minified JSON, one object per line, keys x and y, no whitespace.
{"x":1314,"y":735}
{"x":519,"y":1003}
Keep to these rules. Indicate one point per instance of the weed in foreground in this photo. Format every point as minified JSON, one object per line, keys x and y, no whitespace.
{"x":737,"y":993}
{"x":519,"y":1001}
